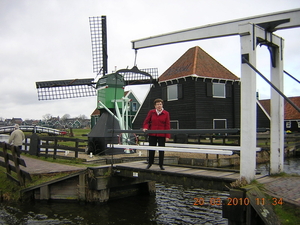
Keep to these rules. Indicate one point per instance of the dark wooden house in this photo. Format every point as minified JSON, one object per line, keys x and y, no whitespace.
{"x":198,"y":92}
{"x":291,"y":115}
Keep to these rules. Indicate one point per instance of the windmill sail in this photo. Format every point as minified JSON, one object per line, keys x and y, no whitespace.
{"x":62,"y":89}
{"x":137,"y":76}
{"x":99,"y":44}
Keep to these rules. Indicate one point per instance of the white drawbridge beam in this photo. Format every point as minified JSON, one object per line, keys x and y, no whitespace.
{"x":285,"y":19}
{"x":252,"y":30}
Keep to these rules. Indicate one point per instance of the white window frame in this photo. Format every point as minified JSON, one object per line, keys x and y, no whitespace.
{"x":217,"y":90}
{"x":134,"y":107}
{"x":172,"y":92}
{"x":288,"y":124}
{"x":214,"y":120}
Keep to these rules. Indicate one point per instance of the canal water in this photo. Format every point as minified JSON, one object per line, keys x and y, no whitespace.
{"x":172,"y":204}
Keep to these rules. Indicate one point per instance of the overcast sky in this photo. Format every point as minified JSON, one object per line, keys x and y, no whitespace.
{"x":44,"y":40}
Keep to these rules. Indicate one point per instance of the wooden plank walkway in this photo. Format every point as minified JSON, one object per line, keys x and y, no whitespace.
{"x":179,"y":171}
{"x":36,"y":166}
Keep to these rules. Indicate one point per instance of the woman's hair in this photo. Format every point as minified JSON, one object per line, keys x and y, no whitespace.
{"x":158,"y":100}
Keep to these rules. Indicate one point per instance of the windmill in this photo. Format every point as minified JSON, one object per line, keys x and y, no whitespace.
{"x":109,"y":90}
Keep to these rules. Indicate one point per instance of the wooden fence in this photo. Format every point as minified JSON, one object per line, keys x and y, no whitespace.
{"x":13,"y":157}
{"x":49,"y":146}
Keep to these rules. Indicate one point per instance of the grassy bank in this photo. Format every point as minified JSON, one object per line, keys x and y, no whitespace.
{"x":10,"y":190}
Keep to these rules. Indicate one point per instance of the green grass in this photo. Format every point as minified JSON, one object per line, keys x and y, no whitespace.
{"x":10,"y":190}
{"x":80,"y":133}
{"x":287,"y":214}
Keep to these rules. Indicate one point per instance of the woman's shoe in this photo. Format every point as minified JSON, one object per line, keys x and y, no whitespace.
{"x":162,"y":168}
{"x":148,"y":167}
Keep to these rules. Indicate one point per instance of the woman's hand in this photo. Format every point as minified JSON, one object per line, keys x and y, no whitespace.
{"x":145,"y":129}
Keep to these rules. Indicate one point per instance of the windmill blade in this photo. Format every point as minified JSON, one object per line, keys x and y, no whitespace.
{"x":63,"y":89}
{"x":135,"y":76}
{"x":99,"y":44}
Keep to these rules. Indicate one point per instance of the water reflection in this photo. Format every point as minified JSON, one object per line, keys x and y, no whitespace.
{"x":4,"y":137}
{"x":171,"y":205}
{"x":291,"y":166}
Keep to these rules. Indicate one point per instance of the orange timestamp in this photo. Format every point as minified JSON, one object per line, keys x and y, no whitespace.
{"x":237,"y":201}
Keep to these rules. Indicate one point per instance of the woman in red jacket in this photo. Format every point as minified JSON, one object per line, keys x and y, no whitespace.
{"x":157,"y":119}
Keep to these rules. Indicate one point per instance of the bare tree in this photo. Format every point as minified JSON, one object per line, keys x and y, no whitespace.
{"x":65,"y":117}
{"x":47,"y":117}
{"x":82,"y":117}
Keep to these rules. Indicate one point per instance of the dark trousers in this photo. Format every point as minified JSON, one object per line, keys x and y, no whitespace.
{"x":154,"y":141}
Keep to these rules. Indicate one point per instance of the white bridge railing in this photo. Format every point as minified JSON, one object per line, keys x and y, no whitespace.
{"x":36,"y":129}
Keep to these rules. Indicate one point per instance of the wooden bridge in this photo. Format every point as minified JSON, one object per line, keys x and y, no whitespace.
{"x":35,"y":129}
{"x":102,"y":183}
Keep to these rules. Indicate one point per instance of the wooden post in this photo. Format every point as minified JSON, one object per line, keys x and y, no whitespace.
{"x":76,"y":146}
{"x":247,"y":206}
{"x":44,"y":192}
{"x":81,"y":187}
{"x":26,"y":143}
{"x":55,"y":148}
{"x":6,"y":159}
{"x":46,"y":150}
{"x":17,"y":166}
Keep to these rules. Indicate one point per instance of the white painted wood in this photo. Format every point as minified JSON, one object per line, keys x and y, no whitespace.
{"x":221,"y":147}
{"x":222,"y":29}
{"x":173,"y":149}
{"x":277,"y":116}
{"x":248,"y":104}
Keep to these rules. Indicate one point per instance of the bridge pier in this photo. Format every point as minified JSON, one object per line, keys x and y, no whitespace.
{"x":96,"y":185}
{"x":103,"y":187}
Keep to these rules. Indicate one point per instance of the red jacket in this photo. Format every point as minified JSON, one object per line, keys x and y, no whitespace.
{"x":157,"y":122}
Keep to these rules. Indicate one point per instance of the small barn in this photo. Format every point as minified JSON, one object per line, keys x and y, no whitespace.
{"x":199,"y":93}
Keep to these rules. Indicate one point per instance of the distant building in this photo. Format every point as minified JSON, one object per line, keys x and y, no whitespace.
{"x":291,"y":115}
{"x":94,"y":117}
{"x":16,"y":121}
{"x":134,"y":105}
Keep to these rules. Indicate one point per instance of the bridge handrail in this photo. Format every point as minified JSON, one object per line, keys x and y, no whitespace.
{"x":41,"y":129}
{"x":212,"y":150}
{"x":184,"y":131}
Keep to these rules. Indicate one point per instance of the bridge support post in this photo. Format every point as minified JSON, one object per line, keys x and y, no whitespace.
{"x":277,"y":111}
{"x":248,"y":103}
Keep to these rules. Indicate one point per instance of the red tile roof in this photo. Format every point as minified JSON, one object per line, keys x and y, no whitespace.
{"x":196,"y":61}
{"x":290,"y":113}
{"x":96,"y":112}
